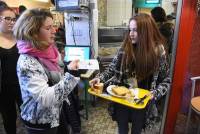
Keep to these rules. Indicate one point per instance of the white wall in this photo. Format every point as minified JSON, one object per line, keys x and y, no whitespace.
{"x":118,"y":12}
{"x":167,"y":5}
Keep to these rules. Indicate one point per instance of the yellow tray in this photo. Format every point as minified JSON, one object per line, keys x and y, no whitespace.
{"x":124,"y":101}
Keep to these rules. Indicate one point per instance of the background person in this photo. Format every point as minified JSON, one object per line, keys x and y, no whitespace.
{"x":22,"y":8}
{"x":165,"y":26}
{"x":70,"y":118}
{"x":43,"y":84}
{"x":141,"y":59}
{"x":10,"y":91}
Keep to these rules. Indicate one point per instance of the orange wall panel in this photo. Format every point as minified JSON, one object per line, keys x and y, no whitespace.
{"x":194,"y":62}
{"x":188,"y":14}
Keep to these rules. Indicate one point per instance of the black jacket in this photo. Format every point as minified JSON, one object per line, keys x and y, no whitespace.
{"x":0,"y":75}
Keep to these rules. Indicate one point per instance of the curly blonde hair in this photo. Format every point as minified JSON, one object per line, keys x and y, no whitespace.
{"x":28,"y":26}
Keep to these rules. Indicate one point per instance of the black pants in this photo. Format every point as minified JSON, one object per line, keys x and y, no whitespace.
{"x":69,"y":117}
{"x":9,"y":96}
{"x":124,"y":115}
{"x":41,"y":131}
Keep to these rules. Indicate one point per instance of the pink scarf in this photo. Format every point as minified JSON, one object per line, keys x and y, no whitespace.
{"x":48,"y":57}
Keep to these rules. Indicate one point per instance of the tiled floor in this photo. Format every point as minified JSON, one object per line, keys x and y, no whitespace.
{"x":180,"y":127}
{"x":99,"y":122}
{"x":20,"y":128}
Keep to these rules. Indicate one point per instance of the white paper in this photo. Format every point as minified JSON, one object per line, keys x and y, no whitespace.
{"x":89,"y":64}
{"x":68,"y":3}
{"x":135,"y":92}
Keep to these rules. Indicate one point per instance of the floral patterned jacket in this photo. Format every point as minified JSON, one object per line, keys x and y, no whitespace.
{"x":159,"y":85}
{"x":41,"y":102}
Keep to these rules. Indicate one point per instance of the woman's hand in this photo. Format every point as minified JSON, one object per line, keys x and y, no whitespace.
{"x":73,"y":65}
{"x":151,"y":95}
{"x":94,"y":81}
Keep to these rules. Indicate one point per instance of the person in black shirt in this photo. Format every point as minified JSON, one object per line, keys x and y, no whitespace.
{"x":10,"y":92}
{"x":0,"y":75}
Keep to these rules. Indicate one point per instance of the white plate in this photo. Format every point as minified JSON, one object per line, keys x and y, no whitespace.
{"x":109,"y":90}
{"x":134,"y":91}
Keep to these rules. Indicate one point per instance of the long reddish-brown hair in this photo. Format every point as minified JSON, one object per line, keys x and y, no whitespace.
{"x":142,"y":57}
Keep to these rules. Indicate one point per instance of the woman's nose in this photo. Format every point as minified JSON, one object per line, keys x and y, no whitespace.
{"x":53,"y":30}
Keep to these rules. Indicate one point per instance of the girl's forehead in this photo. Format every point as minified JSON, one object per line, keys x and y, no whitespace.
{"x":7,"y":12}
{"x":133,"y":23}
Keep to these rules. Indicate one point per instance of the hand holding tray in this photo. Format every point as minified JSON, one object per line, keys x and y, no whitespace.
{"x":139,"y":93}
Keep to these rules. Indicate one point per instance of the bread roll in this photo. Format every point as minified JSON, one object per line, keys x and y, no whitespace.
{"x":121,"y":91}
